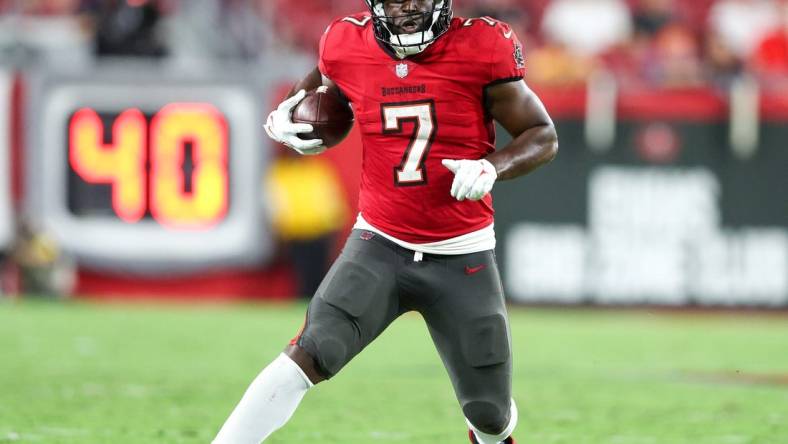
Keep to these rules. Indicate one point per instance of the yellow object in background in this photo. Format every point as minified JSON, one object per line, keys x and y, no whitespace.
{"x":306,"y":198}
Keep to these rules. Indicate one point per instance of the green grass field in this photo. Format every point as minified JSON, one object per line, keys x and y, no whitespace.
{"x":91,"y":373}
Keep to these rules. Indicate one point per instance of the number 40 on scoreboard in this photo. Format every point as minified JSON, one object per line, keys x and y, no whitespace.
{"x":144,"y":162}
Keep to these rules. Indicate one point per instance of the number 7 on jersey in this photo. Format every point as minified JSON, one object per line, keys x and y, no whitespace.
{"x":421,"y":113}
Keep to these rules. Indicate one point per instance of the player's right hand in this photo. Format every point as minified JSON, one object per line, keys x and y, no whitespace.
{"x":281,"y":128}
{"x":473,"y":179}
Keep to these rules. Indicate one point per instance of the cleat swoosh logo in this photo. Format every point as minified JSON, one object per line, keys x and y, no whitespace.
{"x":471,"y":270}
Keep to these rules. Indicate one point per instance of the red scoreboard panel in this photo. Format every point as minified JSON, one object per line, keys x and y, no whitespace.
{"x":149,"y":173}
{"x":6,"y":215}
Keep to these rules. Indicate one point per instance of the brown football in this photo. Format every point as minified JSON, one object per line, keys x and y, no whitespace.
{"x":328,"y":113}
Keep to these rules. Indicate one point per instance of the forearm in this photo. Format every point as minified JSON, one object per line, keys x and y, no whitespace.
{"x":308,"y":83}
{"x":533,"y":148}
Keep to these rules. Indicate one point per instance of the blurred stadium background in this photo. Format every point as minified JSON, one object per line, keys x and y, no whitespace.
{"x":133,"y":166}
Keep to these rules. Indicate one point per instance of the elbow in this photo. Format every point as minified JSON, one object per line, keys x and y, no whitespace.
{"x":551,"y":144}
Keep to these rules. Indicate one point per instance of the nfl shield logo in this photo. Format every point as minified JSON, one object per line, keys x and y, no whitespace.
{"x":402,"y":70}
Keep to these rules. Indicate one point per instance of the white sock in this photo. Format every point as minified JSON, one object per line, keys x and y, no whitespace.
{"x":267,"y":405}
{"x":486,"y":438}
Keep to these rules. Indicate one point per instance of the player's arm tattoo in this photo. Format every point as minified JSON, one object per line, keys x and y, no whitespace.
{"x":521,"y":113}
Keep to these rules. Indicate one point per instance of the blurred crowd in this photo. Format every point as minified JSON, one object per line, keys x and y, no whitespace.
{"x":645,"y":43}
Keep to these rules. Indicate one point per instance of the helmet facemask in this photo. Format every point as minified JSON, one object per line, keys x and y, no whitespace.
{"x":434,"y":24}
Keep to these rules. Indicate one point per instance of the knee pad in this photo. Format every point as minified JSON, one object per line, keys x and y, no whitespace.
{"x":332,"y":355}
{"x":489,"y":421}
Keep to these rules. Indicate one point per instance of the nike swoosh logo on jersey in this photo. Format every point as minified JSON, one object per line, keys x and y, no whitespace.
{"x":472,"y":270}
{"x":508,"y":34}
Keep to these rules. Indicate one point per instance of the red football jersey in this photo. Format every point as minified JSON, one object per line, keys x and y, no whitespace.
{"x":416,"y":111}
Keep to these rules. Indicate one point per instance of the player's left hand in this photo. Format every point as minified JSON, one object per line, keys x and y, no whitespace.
{"x":473,"y":179}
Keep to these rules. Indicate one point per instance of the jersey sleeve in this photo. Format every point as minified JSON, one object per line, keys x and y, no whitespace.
{"x":508,"y":62}
{"x":338,"y":40}
{"x":324,"y":61}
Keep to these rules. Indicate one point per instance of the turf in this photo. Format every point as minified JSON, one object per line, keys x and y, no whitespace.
{"x":92,"y":373}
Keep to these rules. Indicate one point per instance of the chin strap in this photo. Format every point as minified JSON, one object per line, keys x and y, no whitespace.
{"x":405,"y":51}
{"x":409,"y":44}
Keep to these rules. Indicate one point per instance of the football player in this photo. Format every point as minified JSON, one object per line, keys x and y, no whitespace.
{"x":426,"y":89}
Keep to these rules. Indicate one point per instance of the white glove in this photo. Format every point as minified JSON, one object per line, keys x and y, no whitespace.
{"x":473,"y":179}
{"x":281,"y":128}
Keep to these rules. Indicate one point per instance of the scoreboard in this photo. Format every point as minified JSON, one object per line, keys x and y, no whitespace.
{"x":150,"y":172}
{"x":171,"y":166}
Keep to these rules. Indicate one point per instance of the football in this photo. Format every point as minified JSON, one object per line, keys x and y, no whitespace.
{"x":329,"y":114}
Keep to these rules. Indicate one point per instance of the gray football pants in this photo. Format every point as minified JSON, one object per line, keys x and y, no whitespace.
{"x":374,"y":281}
